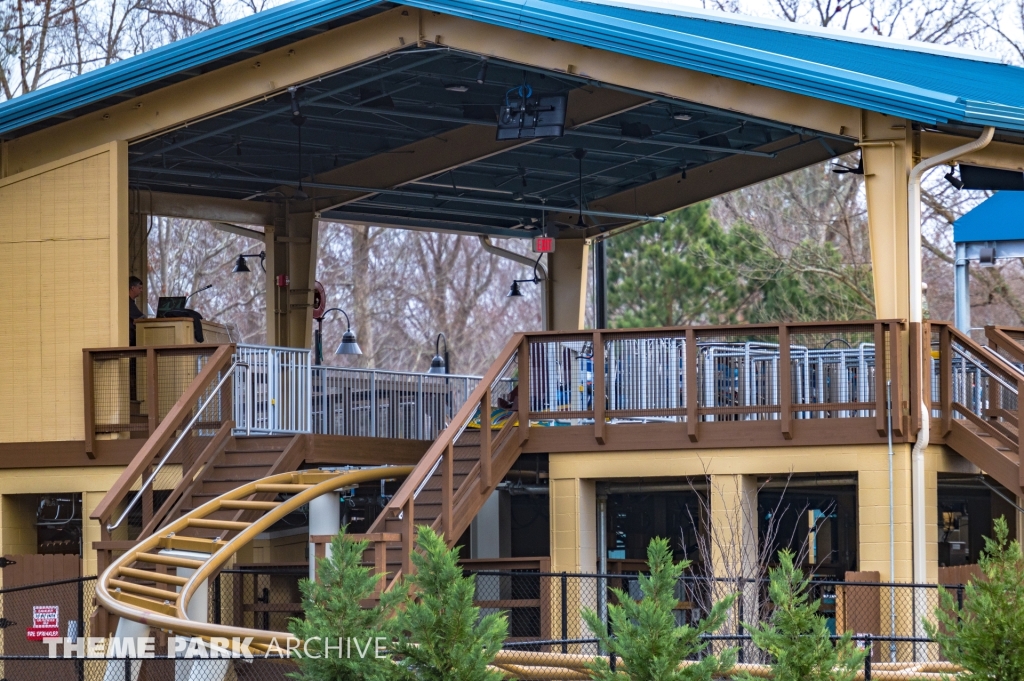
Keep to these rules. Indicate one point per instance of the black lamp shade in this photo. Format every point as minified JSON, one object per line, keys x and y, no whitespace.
{"x":240,"y":265}
{"x":514,"y":291}
{"x":436,"y":365}
{"x":348,"y":346}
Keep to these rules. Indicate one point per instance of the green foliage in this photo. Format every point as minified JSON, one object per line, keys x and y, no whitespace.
{"x":443,"y":637}
{"x":647,"y":638}
{"x":333,"y":612}
{"x":986,"y":635}
{"x":797,"y":637}
{"x":690,"y":269}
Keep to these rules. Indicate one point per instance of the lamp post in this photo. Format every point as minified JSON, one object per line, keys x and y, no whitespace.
{"x":440,"y":364}
{"x":241,"y":267}
{"x":514,"y":290}
{"x":348,"y":346}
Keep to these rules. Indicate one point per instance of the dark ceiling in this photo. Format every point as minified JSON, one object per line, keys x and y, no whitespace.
{"x":376,"y":108}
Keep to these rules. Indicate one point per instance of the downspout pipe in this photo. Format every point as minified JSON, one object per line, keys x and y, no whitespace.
{"x":919,"y":514}
{"x":488,"y":245}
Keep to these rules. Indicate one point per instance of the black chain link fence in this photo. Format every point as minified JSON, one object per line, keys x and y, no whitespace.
{"x":544,"y":613}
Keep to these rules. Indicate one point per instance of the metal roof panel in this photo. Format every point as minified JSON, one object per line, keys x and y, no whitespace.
{"x":924,"y":86}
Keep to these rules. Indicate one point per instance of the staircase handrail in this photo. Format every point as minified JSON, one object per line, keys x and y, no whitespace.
{"x":428,"y":464}
{"x":996,"y":362}
{"x":162,"y":435}
{"x":174,"y":445}
{"x":1000,"y":338}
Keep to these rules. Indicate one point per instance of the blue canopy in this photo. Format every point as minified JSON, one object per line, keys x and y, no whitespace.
{"x":928,"y":86}
{"x":1000,"y":218}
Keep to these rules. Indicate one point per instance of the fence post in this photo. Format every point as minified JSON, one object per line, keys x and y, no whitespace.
{"x":216,"y":598}
{"x":785,"y":387}
{"x":523,"y":364}
{"x":89,"y":397}
{"x":152,"y":390}
{"x":565,"y":612}
{"x":80,"y":627}
{"x":598,"y":389}
{"x":692,"y":359}
{"x":867,"y":661}
{"x":741,"y":656}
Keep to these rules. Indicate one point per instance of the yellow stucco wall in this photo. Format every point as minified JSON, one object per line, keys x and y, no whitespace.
{"x":63,"y":270}
{"x":572,"y":492}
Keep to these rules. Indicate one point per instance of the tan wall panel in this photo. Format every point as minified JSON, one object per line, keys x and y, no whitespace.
{"x":63,"y":264}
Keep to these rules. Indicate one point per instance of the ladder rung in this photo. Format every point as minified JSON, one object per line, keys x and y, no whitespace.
{"x":146,"y":604}
{"x":144,"y":590}
{"x":283,"y":488}
{"x":173,"y":561}
{"x":213,"y":524}
{"x":197,"y":544}
{"x":154,"y":576}
{"x":250,"y":505}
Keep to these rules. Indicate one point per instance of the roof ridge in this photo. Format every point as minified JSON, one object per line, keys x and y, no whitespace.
{"x":673,"y":7}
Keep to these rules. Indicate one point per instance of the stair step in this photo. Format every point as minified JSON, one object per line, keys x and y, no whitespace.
{"x":215,"y":487}
{"x":251,"y":458}
{"x":236,"y":472}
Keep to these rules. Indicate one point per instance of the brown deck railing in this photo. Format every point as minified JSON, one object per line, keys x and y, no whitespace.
{"x":129,"y":391}
{"x":202,"y":367}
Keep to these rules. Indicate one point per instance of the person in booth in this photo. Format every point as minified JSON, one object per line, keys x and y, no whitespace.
{"x":134,"y":291}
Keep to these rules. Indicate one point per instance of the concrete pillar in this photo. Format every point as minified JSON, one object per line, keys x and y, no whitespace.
{"x":962,"y":290}
{"x":734,"y":525}
{"x":567,"y":288}
{"x":198,"y":610}
{"x":734,"y":543}
{"x":291,"y":245}
{"x":324,"y":520}
{"x":886,"y":145}
{"x":117,"y":669}
{"x":491,"y":529}
{"x":573,"y":550}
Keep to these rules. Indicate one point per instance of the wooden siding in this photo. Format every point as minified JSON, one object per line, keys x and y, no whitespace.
{"x":63,"y":270}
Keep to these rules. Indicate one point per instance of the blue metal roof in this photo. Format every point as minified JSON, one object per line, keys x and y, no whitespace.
{"x":999,"y":218}
{"x":929,"y":88}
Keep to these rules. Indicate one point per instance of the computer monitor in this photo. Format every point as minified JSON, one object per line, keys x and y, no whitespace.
{"x":169,"y":304}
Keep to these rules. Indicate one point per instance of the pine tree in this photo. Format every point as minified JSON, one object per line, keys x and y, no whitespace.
{"x":334,"y":616}
{"x":646,"y":637}
{"x":443,"y":637}
{"x":986,"y":635}
{"x":797,"y":638}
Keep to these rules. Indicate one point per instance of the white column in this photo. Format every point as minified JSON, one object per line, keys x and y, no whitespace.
{"x":324,"y":519}
{"x":126,"y":629}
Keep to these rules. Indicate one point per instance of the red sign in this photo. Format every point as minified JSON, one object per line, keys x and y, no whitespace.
{"x":45,"y":623}
{"x":543,"y":244}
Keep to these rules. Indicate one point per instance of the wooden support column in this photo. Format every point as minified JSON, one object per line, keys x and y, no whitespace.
{"x":291,"y":246}
{"x":887,"y":161}
{"x":567,"y":289}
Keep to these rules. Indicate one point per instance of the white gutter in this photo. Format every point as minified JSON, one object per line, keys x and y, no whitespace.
{"x":485,"y":241}
{"x":918,"y":514}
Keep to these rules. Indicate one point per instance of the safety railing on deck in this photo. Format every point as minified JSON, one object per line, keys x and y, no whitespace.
{"x":279,"y":393}
{"x":129,"y":391}
{"x":738,"y":373}
{"x":388,"y":404}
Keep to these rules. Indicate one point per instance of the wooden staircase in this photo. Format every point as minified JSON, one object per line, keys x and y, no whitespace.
{"x":979,"y":402}
{"x":226,"y":464}
{"x":453,"y":480}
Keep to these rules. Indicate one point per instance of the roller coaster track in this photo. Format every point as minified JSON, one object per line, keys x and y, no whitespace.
{"x":165,"y":606}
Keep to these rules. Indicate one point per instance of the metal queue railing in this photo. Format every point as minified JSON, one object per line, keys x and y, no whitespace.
{"x":832,"y":374}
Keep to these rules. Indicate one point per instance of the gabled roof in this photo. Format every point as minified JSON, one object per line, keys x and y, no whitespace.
{"x":927,"y":86}
{"x":998,"y":218}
